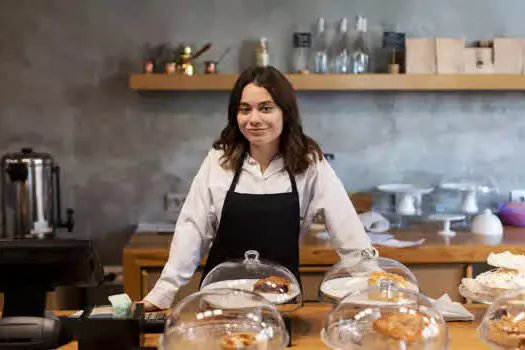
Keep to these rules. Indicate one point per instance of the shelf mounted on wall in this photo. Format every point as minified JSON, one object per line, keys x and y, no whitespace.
{"x":333,"y":82}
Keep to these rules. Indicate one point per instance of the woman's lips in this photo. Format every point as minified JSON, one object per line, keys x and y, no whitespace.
{"x":255,"y":131}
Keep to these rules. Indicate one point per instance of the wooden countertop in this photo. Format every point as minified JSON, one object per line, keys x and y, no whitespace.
{"x":464,"y":248}
{"x":308,"y":322}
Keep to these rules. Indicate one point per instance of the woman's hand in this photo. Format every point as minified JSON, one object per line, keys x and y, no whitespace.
{"x":148,"y":307}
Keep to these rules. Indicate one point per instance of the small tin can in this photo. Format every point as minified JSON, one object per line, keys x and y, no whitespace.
{"x":210,"y":67}
{"x":170,"y":68}
{"x":149,"y":67}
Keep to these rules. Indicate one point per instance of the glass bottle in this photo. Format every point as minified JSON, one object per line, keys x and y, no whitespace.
{"x":341,"y":52}
{"x":320,"y":49}
{"x":361,"y":53}
{"x":262,"y":57}
{"x":302,"y":42}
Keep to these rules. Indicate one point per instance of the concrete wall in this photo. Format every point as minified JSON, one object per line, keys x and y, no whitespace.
{"x":64,"y":67}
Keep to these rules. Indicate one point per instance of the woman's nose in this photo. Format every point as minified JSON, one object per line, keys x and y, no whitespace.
{"x":255,"y":117}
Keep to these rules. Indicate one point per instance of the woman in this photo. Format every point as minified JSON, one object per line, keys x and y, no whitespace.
{"x":258,"y":188}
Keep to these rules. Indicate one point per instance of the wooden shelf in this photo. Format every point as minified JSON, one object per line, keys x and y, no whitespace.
{"x":332,"y":82}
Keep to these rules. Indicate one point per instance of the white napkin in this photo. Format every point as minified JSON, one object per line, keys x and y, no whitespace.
{"x":452,"y":310}
{"x":121,"y":304}
{"x":376,"y":238}
{"x":400,"y":244}
{"x":374,"y":222}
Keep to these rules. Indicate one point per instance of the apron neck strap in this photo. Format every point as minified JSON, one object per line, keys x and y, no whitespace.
{"x":238,"y":174}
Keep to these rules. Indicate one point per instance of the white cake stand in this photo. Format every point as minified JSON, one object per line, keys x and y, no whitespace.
{"x":410,"y":201}
{"x":446,"y":219}
{"x":469,"y":201}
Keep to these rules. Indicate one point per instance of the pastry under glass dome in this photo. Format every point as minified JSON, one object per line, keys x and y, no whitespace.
{"x":357,"y":272}
{"x":407,"y":320}
{"x":272,"y":281}
{"x":224,"y":319}
{"x":503,"y":326}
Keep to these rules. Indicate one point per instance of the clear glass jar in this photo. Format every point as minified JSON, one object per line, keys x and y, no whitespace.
{"x":362,"y":271}
{"x":413,"y":324}
{"x":224,"y":319}
{"x":272,"y":281}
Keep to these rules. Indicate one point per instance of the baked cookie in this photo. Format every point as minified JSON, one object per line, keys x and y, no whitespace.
{"x":507,"y":332}
{"x":374,"y":280}
{"x":401,"y":326}
{"x":272,"y":285}
{"x":237,"y":341}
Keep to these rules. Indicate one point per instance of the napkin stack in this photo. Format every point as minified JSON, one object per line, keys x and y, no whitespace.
{"x":452,"y":310}
{"x":376,"y":225}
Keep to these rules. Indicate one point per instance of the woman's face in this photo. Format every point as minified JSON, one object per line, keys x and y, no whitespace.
{"x":260,"y":119}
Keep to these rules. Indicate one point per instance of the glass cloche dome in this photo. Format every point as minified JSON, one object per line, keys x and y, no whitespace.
{"x":224,"y":319}
{"x":470,"y":184}
{"x":402,"y":320}
{"x":503,"y":326}
{"x":272,"y":281}
{"x":361,"y":271}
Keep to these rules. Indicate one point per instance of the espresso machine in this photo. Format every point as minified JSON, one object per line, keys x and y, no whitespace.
{"x":30,"y":188}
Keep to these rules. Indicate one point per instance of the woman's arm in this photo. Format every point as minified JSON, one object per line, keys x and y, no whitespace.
{"x":346,"y":230}
{"x":188,"y":244}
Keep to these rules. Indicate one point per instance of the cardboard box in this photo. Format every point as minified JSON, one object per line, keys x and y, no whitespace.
{"x":449,"y":53}
{"x":508,"y":55}
{"x":420,"y":56}
{"x":478,"y":60}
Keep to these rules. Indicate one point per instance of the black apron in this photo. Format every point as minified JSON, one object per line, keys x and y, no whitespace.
{"x":267,"y":223}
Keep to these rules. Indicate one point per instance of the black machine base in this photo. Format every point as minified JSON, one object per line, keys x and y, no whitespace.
{"x":29,"y":268}
{"x":110,"y":333}
{"x":27,"y":300}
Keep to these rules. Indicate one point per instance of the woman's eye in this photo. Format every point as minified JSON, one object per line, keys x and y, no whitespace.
{"x":266,"y":109}
{"x":244,"y":110}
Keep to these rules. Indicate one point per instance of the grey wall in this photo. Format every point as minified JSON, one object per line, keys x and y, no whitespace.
{"x":64,"y":67}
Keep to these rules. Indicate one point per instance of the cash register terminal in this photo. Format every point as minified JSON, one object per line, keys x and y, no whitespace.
{"x":29,"y":268}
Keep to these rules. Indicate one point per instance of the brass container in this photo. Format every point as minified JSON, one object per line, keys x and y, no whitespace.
{"x":186,"y":64}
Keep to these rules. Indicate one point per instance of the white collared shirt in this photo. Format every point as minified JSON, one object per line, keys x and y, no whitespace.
{"x":318,"y":188}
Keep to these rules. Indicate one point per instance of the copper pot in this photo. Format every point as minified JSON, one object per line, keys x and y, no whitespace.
{"x":210,"y":67}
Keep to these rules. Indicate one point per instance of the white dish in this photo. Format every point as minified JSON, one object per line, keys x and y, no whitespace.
{"x":477,"y":297}
{"x":446,"y":217}
{"x":247,"y":285}
{"x":340,"y":287}
{"x":458,"y":186}
{"x":404,"y":188}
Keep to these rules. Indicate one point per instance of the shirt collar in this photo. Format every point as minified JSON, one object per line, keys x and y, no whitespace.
{"x":277,"y":164}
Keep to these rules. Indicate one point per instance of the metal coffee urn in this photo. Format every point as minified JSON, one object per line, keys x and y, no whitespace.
{"x":30,"y":185}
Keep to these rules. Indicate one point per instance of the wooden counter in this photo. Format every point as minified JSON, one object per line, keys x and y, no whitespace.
{"x":308,"y":322}
{"x":439,"y":264}
{"x":463,"y":248}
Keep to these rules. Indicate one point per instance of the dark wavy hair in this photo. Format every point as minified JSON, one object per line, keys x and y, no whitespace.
{"x":297,"y":149}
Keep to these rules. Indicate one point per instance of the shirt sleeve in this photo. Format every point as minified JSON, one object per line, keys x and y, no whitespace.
{"x":346,"y":231}
{"x":188,"y":245}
